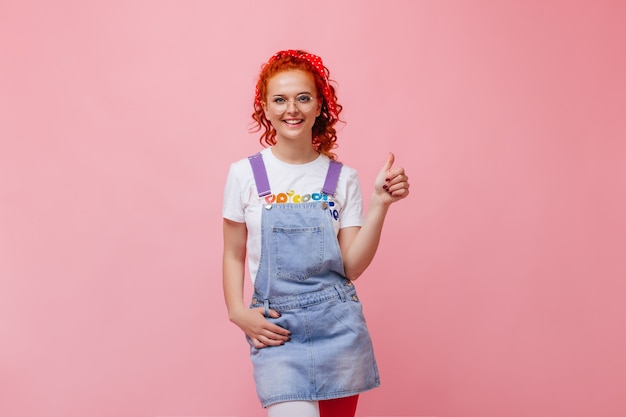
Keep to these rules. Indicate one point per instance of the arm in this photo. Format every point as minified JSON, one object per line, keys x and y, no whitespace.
{"x":251,"y":321}
{"x":358,"y":244}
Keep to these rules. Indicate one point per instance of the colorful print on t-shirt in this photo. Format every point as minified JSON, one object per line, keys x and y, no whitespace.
{"x":292,"y":197}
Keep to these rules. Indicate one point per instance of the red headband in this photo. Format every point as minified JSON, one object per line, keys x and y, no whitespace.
{"x":317,"y":63}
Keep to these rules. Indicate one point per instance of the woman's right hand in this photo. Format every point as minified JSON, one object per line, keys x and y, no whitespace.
{"x":261,"y":331}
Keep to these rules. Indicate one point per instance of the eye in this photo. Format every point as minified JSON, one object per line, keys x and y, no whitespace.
{"x":279,"y":100}
{"x":304,"y":98}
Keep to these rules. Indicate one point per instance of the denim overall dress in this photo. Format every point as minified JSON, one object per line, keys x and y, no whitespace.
{"x":301,"y":275}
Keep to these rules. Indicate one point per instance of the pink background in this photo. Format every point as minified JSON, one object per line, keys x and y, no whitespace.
{"x":499,"y":287}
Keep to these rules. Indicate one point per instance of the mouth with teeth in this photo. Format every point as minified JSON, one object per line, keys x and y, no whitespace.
{"x":293,"y":122}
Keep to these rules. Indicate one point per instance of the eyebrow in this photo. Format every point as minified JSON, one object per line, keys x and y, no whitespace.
{"x":299,"y":94}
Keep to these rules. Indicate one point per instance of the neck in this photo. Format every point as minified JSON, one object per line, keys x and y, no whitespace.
{"x":294,"y":153}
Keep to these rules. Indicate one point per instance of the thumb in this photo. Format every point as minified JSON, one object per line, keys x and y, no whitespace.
{"x":274,"y":314}
{"x":389,"y":162}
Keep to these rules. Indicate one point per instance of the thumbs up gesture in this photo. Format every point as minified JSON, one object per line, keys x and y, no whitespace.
{"x":391,"y":184}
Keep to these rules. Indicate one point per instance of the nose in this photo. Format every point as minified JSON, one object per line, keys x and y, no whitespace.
{"x":291,"y":106}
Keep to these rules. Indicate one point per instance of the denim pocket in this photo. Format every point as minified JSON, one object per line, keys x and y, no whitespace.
{"x":356,"y":306}
{"x":298,"y":251}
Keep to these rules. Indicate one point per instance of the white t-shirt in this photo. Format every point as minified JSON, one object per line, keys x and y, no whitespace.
{"x":289,"y":184}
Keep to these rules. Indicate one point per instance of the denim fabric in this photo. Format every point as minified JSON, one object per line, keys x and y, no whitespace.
{"x":330,"y":353}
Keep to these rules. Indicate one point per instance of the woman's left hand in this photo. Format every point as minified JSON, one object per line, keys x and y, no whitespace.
{"x":391,"y":184}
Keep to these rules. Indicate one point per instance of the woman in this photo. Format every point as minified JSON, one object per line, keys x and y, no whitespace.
{"x":296,"y":214}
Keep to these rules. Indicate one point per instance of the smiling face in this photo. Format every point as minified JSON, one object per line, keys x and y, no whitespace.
{"x":291,"y":105}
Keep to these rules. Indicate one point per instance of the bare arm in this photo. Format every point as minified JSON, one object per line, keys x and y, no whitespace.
{"x":359,"y":244}
{"x":251,"y":321}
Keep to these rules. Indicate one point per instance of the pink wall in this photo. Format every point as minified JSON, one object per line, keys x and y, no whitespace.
{"x":498,"y":290}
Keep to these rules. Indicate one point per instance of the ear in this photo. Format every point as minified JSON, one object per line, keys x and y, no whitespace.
{"x":319,"y":107}
{"x":264,"y":106}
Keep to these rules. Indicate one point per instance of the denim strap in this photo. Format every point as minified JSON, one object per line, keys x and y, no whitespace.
{"x":260,"y":175}
{"x":332,"y":177}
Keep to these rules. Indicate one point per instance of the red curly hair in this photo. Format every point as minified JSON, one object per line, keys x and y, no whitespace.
{"x":324,"y":133}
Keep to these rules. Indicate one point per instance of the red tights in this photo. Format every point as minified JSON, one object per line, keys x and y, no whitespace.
{"x":339,"y":407}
